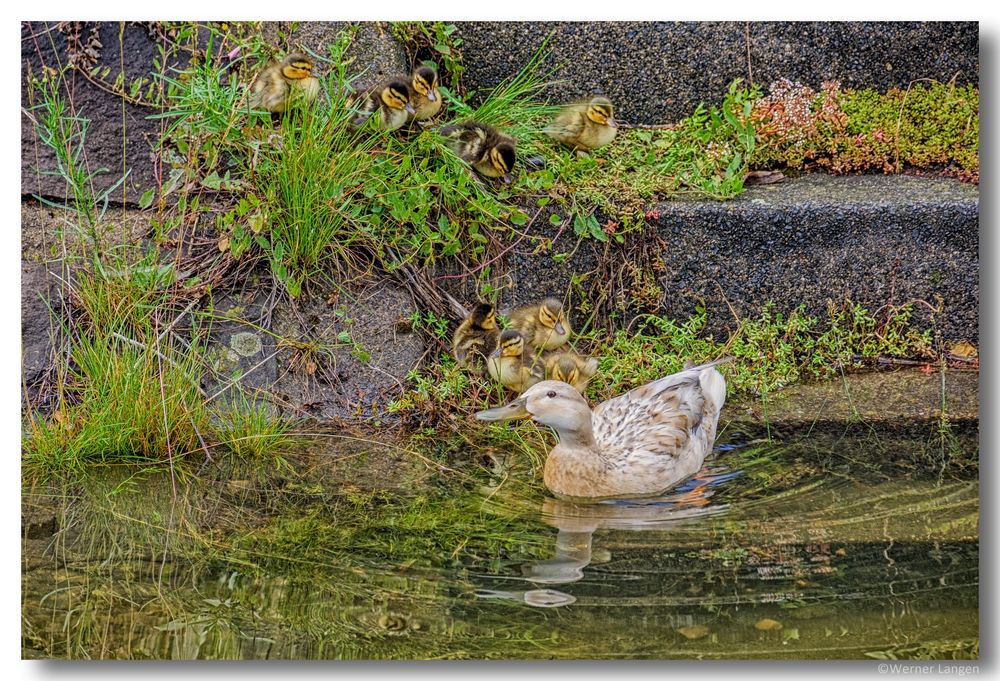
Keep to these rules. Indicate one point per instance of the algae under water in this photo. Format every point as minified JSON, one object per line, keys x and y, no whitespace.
{"x":844,"y":540}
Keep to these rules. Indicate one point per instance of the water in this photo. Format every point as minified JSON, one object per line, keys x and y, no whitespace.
{"x":850,"y":542}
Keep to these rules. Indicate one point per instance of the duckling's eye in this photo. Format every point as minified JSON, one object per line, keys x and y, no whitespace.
{"x":551,"y":393}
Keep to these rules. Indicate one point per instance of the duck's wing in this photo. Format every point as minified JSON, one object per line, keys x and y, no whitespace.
{"x":664,"y":417}
{"x":568,"y":124}
{"x":363,"y":105}
{"x":269,"y":90}
{"x":465,"y":139}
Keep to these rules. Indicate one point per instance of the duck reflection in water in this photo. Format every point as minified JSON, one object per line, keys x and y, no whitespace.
{"x":577,"y":522}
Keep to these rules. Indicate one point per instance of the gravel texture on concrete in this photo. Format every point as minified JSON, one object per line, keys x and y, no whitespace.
{"x":875,"y":239}
{"x":657,"y":72}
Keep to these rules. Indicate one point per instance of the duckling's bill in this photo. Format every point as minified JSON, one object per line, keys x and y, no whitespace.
{"x":517,"y":409}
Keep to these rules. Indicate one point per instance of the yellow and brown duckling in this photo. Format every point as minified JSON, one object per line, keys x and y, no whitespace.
{"x":390,"y":102}
{"x":424,"y":94}
{"x":585,"y":126}
{"x":281,"y":84}
{"x":475,"y":338}
{"x":569,"y":367}
{"x":511,"y":365}
{"x":543,"y":326}
{"x":486,"y":149}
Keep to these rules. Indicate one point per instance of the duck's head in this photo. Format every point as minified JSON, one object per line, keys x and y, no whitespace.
{"x":502,"y":158}
{"x":510,"y":344}
{"x":296,"y":66}
{"x":550,"y":314}
{"x":566,"y":370}
{"x":425,"y":80}
{"x":484,"y":316}
{"x":600,"y":111}
{"x":396,"y":95}
{"x":551,"y":403}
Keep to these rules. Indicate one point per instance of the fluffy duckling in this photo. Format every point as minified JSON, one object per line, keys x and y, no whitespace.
{"x":571,"y":368}
{"x":490,"y":152}
{"x":639,"y":444}
{"x":280,"y":84}
{"x":543,"y":326}
{"x":391,"y":101}
{"x":424,"y":94}
{"x":476,"y":338}
{"x":585,"y":126}
{"x":510,"y":365}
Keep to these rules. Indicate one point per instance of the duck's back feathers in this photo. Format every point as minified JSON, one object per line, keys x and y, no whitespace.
{"x":667,"y":416}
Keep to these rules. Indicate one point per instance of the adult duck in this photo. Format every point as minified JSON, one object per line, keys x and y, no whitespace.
{"x":638,"y":444}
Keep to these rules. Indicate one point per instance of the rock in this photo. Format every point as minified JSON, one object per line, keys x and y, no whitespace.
{"x":44,"y":45}
{"x":360,"y":361}
{"x":768,"y":625}
{"x":694,"y":632}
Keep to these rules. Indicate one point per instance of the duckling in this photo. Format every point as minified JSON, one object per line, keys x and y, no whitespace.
{"x":280,"y":84}
{"x":510,"y":366}
{"x":585,"y":126}
{"x":639,"y":444}
{"x":392,"y":102}
{"x":424,"y":94}
{"x":544,"y":325}
{"x":476,"y":338}
{"x":490,"y":152}
{"x":571,"y":368}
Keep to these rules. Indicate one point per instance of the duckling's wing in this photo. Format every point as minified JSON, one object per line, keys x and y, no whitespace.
{"x":568,"y":124}
{"x":269,"y":91}
{"x":466,"y":140}
{"x":363,"y":105}
{"x":668,"y":417}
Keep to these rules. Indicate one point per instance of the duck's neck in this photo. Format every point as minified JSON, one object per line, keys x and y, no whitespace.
{"x":575,"y":428}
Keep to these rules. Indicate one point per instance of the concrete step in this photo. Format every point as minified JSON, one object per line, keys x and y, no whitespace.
{"x":875,"y":239}
{"x":658,"y":71}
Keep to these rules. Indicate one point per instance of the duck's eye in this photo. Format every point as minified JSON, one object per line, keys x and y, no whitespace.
{"x":551,"y":393}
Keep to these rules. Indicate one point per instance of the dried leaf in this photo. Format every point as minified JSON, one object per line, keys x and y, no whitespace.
{"x":964,"y":350}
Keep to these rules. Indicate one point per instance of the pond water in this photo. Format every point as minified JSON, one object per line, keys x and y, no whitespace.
{"x":849,"y":540}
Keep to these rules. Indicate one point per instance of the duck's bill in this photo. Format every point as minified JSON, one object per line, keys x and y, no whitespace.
{"x":409,"y":109}
{"x":431,"y":97}
{"x":513,"y":410}
{"x":612,"y":123}
{"x":508,"y":178}
{"x":560,"y":329}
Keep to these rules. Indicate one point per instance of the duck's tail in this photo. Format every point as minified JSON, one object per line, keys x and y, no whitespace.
{"x":713,"y":388}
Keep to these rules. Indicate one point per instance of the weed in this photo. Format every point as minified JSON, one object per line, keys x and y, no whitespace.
{"x":251,"y":428}
{"x":66,"y":134}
